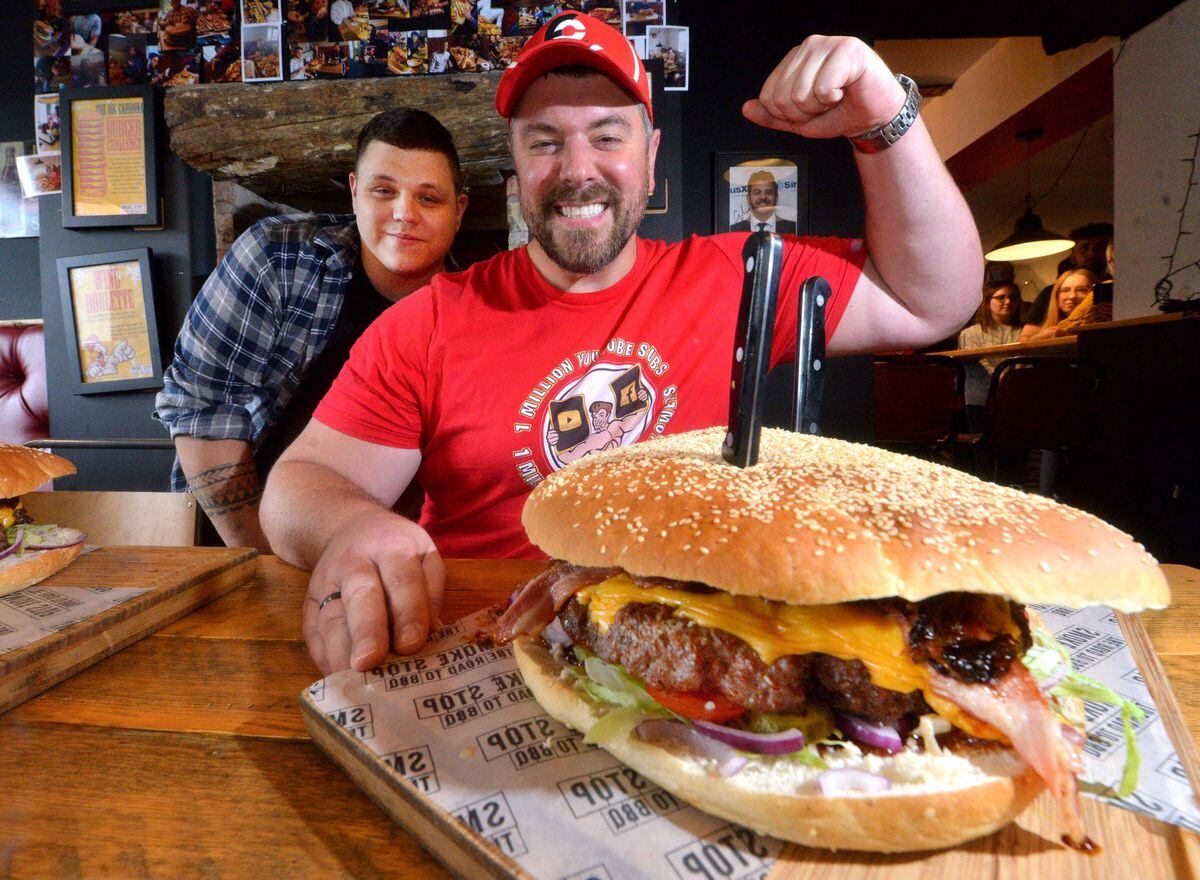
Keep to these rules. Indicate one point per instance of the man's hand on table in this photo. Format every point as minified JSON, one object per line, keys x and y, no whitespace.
{"x":386,"y":568}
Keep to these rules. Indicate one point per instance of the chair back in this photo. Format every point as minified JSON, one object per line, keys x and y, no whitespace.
{"x":918,"y":398}
{"x":156,"y":519}
{"x":24,"y":411}
{"x":1042,"y":403}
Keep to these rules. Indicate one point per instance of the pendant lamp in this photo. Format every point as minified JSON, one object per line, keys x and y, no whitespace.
{"x":1029,"y":240}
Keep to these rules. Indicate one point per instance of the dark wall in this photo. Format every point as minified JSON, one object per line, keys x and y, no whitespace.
{"x":20,"y":293}
{"x":182,"y":254}
{"x":733,"y":49}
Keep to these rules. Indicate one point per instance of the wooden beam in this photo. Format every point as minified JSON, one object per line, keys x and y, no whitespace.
{"x":1079,"y":100}
{"x":294,"y":142}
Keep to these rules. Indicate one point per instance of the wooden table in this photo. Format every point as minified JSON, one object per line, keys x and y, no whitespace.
{"x":1065,"y":345}
{"x":185,"y":755}
{"x":1059,"y":345}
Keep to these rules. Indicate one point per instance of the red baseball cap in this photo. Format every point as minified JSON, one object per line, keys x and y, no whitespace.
{"x":574,"y":38}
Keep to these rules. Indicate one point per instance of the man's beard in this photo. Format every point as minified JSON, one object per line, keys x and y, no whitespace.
{"x":583,"y":251}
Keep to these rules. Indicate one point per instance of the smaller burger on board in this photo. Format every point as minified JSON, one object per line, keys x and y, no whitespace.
{"x":832,"y":646}
{"x":30,"y":552}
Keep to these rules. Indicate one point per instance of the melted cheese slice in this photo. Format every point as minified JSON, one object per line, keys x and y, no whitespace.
{"x":7,"y":517}
{"x":774,"y":630}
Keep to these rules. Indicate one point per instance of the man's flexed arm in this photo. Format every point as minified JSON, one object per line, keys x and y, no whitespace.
{"x":925,"y":267}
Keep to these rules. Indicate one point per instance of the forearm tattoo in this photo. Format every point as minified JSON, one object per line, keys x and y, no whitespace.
{"x":227,"y":488}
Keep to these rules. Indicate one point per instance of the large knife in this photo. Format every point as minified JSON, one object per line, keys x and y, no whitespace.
{"x":763,"y":258}
{"x":810,"y":355}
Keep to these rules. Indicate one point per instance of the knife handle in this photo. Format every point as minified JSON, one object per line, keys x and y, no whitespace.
{"x":762,"y":257}
{"x":810,"y":354}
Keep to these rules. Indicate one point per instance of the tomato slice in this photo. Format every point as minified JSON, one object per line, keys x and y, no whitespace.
{"x":705,"y":707}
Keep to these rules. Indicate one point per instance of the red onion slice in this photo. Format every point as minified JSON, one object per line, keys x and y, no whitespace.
{"x":782,"y":743}
{"x":555,"y":634}
{"x":55,"y":538}
{"x":846,"y":780}
{"x":877,"y":736}
{"x":728,"y":761}
{"x":14,"y":546}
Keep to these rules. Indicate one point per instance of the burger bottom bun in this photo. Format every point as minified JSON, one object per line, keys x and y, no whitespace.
{"x":935,"y":801}
{"x":23,"y":570}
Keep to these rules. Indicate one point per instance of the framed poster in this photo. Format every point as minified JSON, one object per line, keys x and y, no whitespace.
{"x":109,"y":165}
{"x":108,"y":313}
{"x":756,"y":191}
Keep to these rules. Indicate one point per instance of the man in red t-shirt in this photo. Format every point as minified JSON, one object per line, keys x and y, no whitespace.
{"x":487,"y":380}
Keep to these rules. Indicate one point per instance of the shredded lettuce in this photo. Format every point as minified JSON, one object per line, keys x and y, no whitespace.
{"x":614,"y":725}
{"x":34,"y":534}
{"x":617,"y":688}
{"x":629,"y":704}
{"x":808,"y":756}
{"x":1076,"y":686}
{"x":1045,"y":661}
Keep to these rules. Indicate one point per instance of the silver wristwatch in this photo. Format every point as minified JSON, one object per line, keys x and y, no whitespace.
{"x":883,"y":136}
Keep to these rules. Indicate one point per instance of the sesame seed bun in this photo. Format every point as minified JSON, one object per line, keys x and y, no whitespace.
{"x":935,"y":800}
{"x":23,"y":570}
{"x":820,"y":521}
{"x":23,"y":469}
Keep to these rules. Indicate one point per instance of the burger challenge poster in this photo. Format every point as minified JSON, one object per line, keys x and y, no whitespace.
{"x":109,"y":160}
{"x":110,"y":322}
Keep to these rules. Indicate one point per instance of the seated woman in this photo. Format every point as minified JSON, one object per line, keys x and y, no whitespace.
{"x":1071,"y":288}
{"x":999,"y":324}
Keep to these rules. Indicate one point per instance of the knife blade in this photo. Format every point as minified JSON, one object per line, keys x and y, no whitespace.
{"x":763,"y":258}
{"x":810,"y":354}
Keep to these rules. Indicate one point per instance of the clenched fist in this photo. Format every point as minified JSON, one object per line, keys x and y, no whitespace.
{"x":827,"y":87}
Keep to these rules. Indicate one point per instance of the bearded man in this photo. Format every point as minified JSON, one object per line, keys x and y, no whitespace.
{"x":462,"y":383}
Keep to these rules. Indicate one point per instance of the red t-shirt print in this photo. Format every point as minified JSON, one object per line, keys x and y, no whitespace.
{"x":499,"y":378}
{"x":593,"y":401}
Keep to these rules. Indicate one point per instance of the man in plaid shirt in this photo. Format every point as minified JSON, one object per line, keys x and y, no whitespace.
{"x":272,"y":326}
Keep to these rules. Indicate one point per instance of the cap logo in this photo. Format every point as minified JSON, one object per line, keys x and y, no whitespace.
{"x":566,"y":27}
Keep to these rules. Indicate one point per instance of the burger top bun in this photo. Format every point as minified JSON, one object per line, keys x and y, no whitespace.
{"x":23,"y":470}
{"x":820,"y":521}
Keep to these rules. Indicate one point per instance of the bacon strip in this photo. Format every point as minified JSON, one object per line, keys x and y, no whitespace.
{"x":1014,"y":705}
{"x":535,"y":606}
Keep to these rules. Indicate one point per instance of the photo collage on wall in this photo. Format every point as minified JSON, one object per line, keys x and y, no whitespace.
{"x":262,"y":41}
{"x":164,"y":42}
{"x":182,"y":42}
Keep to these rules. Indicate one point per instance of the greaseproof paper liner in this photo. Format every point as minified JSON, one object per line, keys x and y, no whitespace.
{"x":33,"y":613}
{"x":1098,"y":650}
{"x":459,"y":724}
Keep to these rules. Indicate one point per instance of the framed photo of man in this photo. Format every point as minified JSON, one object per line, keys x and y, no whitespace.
{"x":108,"y":312}
{"x":753,"y":192}
{"x":109,"y":165}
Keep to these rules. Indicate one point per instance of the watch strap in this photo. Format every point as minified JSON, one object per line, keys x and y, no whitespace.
{"x":883,"y":136}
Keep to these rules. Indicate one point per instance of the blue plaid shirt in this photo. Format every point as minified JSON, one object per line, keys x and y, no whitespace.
{"x":260,"y":319}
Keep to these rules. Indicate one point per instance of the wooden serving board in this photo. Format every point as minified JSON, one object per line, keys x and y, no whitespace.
{"x":178,"y":579}
{"x":1131,"y":845}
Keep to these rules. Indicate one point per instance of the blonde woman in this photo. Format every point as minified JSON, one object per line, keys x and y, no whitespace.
{"x":1071,"y":288}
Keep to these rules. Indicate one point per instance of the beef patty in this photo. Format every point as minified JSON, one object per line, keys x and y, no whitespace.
{"x":673,"y":653}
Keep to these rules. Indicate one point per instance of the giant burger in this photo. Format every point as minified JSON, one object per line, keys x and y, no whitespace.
{"x":30,"y":552}
{"x":832,"y":646}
